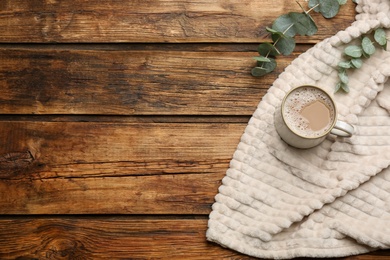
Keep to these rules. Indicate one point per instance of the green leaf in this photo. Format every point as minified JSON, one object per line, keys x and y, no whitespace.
{"x":342,"y":86}
{"x":345,"y":87}
{"x":328,"y":8}
{"x":380,"y":37}
{"x":271,"y":30}
{"x":365,"y":55}
{"x":284,"y":24}
{"x":277,"y":34}
{"x":262,"y":59}
{"x":343,"y":77}
{"x":344,"y":64}
{"x":368,"y":46}
{"x":295,"y":23}
{"x":315,"y":4}
{"x":354,"y":51}
{"x":259,"y":71}
{"x":264,"y":68}
{"x":267,"y":49}
{"x":357,"y":63}
{"x":284,"y":44}
{"x":303,"y":24}
{"x":342,"y":2}
{"x":269,"y":66}
{"x":338,"y":87}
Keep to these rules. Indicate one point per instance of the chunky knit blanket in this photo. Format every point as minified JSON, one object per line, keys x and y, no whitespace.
{"x":329,"y":201}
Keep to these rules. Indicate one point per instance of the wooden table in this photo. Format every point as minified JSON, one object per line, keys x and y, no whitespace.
{"x":118,"y":120}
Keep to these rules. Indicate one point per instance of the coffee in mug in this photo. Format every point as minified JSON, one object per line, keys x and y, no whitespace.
{"x":306,"y":116}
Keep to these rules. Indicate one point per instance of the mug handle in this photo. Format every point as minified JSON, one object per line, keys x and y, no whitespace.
{"x":342,"y":129}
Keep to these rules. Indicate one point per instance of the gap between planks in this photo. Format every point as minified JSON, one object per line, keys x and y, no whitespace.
{"x":239,"y":119}
{"x":195,"y":47}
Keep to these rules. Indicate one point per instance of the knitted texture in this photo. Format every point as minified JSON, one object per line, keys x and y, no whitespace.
{"x":329,"y":201}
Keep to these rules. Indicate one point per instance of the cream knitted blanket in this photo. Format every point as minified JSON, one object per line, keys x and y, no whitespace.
{"x":329,"y":201}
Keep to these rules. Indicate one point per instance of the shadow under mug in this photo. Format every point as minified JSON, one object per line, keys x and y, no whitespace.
{"x":300,"y":138}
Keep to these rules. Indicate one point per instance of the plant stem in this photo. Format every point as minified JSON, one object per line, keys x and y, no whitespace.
{"x":303,"y":9}
{"x":308,"y":11}
{"x":288,"y":28}
{"x":311,"y":9}
{"x":274,"y":44}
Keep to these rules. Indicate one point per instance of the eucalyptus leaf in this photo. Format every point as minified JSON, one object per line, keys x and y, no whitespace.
{"x":380,"y":37}
{"x":262,"y":59}
{"x":342,"y":2}
{"x":295,"y":23}
{"x":315,"y":4}
{"x":277,"y":35}
{"x":368,"y":46}
{"x":269,"y":66}
{"x":353,"y":51}
{"x":267,"y":49}
{"x":259,"y":71}
{"x":345,"y":87}
{"x":344,"y":64}
{"x":328,"y":8}
{"x":338,"y":87}
{"x":343,"y":77}
{"x":271,"y":30}
{"x":342,"y":86}
{"x":284,"y":44}
{"x":284,"y":24}
{"x":365,"y":55}
{"x":357,"y":63}
{"x":264,"y":68}
{"x":303,"y":24}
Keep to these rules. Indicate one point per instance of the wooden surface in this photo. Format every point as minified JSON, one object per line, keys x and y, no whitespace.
{"x":118,"y":120}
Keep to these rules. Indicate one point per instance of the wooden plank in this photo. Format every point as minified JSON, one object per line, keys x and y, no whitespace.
{"x":107,"y":238}
{"x":94,"y":167}
{"x":151,"y":21}
{"x":116,"y":238}
{"x":155,"y":194}
{"x":65,"y":143}
{"x":126,"y":82}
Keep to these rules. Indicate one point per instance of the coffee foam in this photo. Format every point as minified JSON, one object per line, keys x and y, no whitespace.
{"x":296,"y":101}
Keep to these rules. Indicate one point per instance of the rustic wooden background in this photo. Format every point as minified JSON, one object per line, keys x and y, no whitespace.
{"x":118,"y":120}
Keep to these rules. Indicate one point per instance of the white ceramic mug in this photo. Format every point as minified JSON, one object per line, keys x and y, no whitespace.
{"x":307,"y":115}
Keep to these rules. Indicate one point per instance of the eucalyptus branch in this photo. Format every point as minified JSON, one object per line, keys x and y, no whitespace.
{"x":355,"y":53}
{"x":286,"y":27}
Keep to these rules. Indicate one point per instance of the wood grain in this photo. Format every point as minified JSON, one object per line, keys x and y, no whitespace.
{"x":66,"y":143}
{"x":113,"y":168}
{"x":126,"y":237}
{"x":150,"y":21}
{"x":156,"y":194}
{"x":67,"y":81}
{"x":107,"y":238}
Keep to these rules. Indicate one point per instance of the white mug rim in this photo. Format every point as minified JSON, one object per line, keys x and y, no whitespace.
{"x":331,"y":100}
